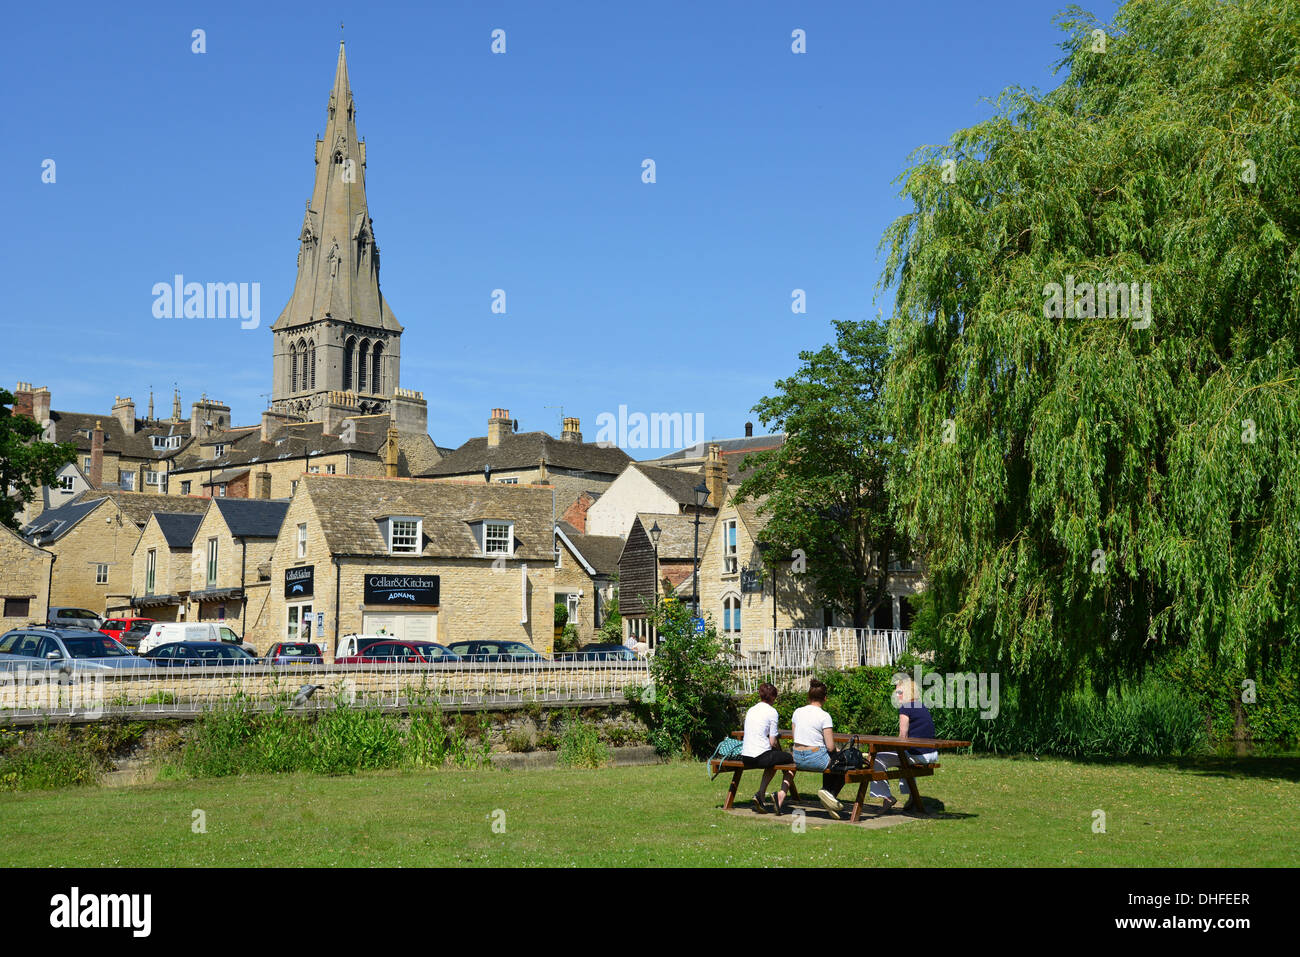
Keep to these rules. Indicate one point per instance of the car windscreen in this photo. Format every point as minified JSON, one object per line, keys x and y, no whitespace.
{"x":140,"y":628}
{"x":515,"y":648}
{"x":104,"y":647}
{"x":299,"y":651}
{"x":431,"y":650}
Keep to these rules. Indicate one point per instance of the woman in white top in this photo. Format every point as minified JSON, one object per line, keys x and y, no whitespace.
{"x":760,"y":751}
{"x":814,"y":740}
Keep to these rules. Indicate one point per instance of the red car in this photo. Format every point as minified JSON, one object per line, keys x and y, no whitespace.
{"x":400,"y":653}
{"x":117,"y":627}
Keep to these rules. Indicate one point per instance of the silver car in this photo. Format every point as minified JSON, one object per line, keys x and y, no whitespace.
{"x":64,"y":649}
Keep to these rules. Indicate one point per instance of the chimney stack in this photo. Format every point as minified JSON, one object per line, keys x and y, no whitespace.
{"x":715,"y":476}
{"x":390,"y":453}
{"x":498,"y":427}
{"x":572,"y":430}
{"x":262,"y":485}
{"x":41,"y":405}
{"x":96,"y":475}
{"x":749,"y":430}
{"x":124,"y":412}
{"x":23,"y":400}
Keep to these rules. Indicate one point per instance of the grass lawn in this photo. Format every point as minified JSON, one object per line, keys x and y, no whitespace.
{"x":1001,"y":812}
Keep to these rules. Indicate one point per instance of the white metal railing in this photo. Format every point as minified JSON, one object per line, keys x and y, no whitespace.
{"x":25,"y":695}
{"x":842,"y":647}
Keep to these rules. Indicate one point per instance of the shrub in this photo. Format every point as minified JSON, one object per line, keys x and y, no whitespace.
{"x":43,"y":758}
{"x":691,"y":706}
{"x":581,"y":747}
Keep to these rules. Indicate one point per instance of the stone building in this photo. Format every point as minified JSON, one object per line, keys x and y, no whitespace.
{"x":24,"y":580}
{"x":508,"y":457}
{"x":230,"y":577}
{"x":117,"y":451}
{"x":586,"y":576}
{"x":93,"y":539}
{"x":645,"y":571}
{"x":160,"y":568}
{"x":418,"y":560}
{"x":748,"y":597}
{"x":647,"y":488}
{"x":268,"y":462}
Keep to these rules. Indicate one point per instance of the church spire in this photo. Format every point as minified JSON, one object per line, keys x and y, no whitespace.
{"x":337,"y":333}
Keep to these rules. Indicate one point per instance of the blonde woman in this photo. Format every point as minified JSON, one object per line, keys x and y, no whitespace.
{"x":914,"y":721}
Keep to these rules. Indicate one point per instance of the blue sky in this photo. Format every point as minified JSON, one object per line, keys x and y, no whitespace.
{"x":519,"y":171}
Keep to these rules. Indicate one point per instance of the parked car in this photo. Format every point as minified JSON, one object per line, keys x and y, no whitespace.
{"x":295,"y":653}
{"x":165,"y":632}
{"x":118,"y":627}
{"x":64,"y":617}
{"x":209,"y":654}
{"x":136,"y":633}
{"x":352,"y":645}
{"x":505,"y":651}
{"x":606,"y":652}
{"x":64,"y":649}
{"x":401,"y":653}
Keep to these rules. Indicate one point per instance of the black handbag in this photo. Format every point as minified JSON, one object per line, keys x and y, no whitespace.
{"x":849,"y":759}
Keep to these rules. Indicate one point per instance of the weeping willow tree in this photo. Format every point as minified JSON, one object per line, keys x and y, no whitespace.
{"x":1094,"y":475}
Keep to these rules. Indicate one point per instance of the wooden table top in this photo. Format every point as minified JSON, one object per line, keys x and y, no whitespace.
{"x":881,"y":742}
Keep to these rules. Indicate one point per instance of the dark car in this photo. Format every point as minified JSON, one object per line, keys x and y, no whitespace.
{"x":599,"y":653}
{"x":63,"y":617}
{"x":400,"y":653}
{"x":200,"y":654}
{"x":502,"y":651}
{"x":295,"y":653}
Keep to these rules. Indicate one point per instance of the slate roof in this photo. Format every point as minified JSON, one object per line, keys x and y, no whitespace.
{"x":252,"y":517}
{"x":227,"y":475}
{"x":753,"y":443}
{"x":601,"y":552}
{"x":298,"y":440}
{"x":521,"y":450}
{"x":73,"y":427}
{"x":178,"y":528}
{"x":53,"y":523}
{"x":677,"y":533}
{"x":138,"y":506}
{"x":678,"y":483}
{"x":350,"y":509}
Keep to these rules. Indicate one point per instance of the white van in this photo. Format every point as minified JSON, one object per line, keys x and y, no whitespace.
{"x":165,"y":632}
{"x":352,"y":644}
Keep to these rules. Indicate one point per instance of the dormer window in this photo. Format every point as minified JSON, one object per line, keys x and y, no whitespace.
{"x":404,"y":535}
{"x":219,"y":451}
{"x":498,"y":538}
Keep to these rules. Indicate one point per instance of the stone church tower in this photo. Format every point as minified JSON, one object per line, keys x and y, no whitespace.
{"x":337,"y":343}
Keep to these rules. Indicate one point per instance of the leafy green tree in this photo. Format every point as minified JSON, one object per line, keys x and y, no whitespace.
{"x":824,"y":490}
{"x":1091,"y":486}
{"x":690,"y":709}
{"x":26,"y":464}
{"x":611,"y":629}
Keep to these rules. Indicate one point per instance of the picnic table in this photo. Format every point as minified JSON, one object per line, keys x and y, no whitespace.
{"x":870,"y":745}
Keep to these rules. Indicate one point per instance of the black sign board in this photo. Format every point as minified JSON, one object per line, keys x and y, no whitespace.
{"x":399,"y":589}
{"x":751,"y":578}
{"x":299,"y":581}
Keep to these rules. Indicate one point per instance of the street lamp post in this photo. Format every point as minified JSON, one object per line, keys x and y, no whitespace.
{"x":654,"y":538}
{"x":701,"y":496}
